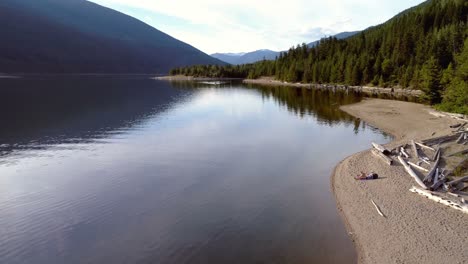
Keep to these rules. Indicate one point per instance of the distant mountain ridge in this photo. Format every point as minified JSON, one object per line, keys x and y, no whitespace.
{"x":77,"y":36}
{"x":258,"y":55}
{"x":246,"y":57}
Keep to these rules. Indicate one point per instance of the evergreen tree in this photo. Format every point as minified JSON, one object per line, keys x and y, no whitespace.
{"x":430,"y":75}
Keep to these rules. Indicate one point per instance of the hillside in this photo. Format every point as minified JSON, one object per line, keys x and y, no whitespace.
{"x":77,"y":36}
{"x":424,"y":47}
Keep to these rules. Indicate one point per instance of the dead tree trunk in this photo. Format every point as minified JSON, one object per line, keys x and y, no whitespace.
{"x":415,"y":150}
{"x":424,"y":146}
{"x":428,"y":178}
{"x":444,"y":201}
{"x":455,"y":182}
{"x":411,"y":173}
{"x":417,"y":166}
{"x":380,"y":148}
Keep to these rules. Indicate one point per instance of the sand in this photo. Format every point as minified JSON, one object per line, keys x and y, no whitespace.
{"x":415,"y":229}
{"x":270,"y":81}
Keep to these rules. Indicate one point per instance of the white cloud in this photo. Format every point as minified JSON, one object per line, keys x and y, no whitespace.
{"x":245,"y":25}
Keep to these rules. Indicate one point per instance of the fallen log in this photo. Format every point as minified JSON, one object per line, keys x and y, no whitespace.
{"x":436,"y":175}
{"x":462,"y":135}
{"x":454,"y":195}
{"x":386,"y":159}
{"x":460,"y":128}
{"x":459,"y":153}
{"x":412,"y":173}
{"x":403,"y":152}
{"x":417,"y":166}
{"x":428,"y":178}
{"x":455,"y":182}
{"x":436,"y":154}
{"x":434,"y":197}
{"x":425,"y":161}
{"x":415,"y":150}
{"x":439,"y":140}
{"x":424,"y":146}
{"x":380,"y":148}
{"x":438,"y":183}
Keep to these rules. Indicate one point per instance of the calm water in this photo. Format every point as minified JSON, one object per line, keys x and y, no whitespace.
{"x":132,"y":170}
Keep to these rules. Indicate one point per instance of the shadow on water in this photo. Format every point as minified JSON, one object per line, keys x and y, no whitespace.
{"x":37,"y":112}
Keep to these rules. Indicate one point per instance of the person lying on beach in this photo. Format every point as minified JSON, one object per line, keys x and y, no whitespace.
{"x":370,"y":176}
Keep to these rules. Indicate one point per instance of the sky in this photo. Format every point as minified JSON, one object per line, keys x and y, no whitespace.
{"x":248,"y":25}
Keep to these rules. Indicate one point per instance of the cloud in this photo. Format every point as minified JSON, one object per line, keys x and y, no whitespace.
{"x":245,"y":25}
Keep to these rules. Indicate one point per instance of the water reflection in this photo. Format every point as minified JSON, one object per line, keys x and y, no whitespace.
{"x":133,"y":170}
{"x":40,"y":112}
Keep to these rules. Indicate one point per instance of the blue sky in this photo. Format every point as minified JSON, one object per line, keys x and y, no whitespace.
{"x":247,"y":25}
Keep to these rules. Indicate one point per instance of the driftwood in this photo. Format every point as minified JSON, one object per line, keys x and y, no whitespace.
{"x":438,"y":183}
{"x":386,"y":159}
{"x":417,"y":166}
{"x":459,"y":153}
{"x":415,"y":150}
{"x":455,"y":182}
{"x":403,"y":152}
{"x":428,"y":178}
{"x":461,"y":127}
{"x":462,"y":135}
{"x":425,"y":161}
{"x":436,"y":154}
{"x":436,"y":175}
{"x":378,"y":209}
{"x":444,"y":201}
{"x":439,"y":140}
{"x":411,"y":173}
{"x":380,"y":148}
{"x":424,"y":146}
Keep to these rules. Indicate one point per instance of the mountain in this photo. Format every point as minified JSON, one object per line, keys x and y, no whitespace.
{"x":245,"y":58}
{"x":258,"y":55}
{"x":77,"y":36}
{"x":342,"y":35}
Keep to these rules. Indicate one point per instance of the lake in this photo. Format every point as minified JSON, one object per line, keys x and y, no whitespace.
{"x":133,"y":170}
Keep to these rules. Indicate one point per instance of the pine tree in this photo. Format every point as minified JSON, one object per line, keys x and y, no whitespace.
{"x":430,"y":74}
{"x":455,"y":98}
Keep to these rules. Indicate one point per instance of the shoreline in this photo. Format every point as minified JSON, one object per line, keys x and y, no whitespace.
{"x":270,"y":81}
{"x":191,"y":78}
{"x":415,"y":229}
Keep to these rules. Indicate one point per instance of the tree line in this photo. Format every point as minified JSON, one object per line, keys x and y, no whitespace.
{"x":425,"y":48}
